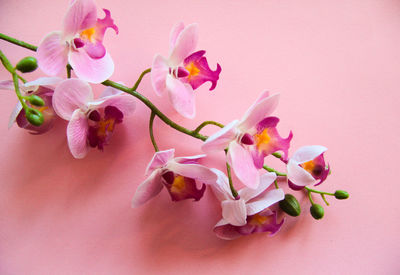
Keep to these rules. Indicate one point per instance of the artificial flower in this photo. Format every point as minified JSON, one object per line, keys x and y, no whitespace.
{"x":42,"y":87}
{"x":91,"y":122}
{"x":80,"y":44}
{"x":249,"y":212}
{"x":307,"y":166}
{"x":183,"y":177}
{"x":250,"y":140}
{"x":183,"y":71}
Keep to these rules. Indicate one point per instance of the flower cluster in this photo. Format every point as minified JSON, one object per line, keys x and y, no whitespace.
{"x":79,"y":49}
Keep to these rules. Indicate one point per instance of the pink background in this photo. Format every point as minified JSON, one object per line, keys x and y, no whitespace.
{"x":337,"y":67}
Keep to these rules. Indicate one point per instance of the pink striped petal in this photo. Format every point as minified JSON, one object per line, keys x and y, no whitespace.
{"x":91,"y":70}
{"x":185,"y":44}
{"x":159,"y":72}
{"x":159,"y":160}
{"x":221,"y":187}
{"x":52,"y":54}
{"x":124,"y":102}
{"x":148,"y":189}
{"x":14,"y":114}
{"x":298,"y":176}
{"x":221,"y":139}
{"x":176,"y":30}
{"x":234,"y":212}
{"x":44,"y":81}
{"x":307,"y":153}
{"x":243,"y":165}
{"x":265,"y":201}
{"x":7,"y":85}
{"x":77,"y":131}
{"x":265,"y":181}
{"x":181,"y":96}
{"x":198,"y":172}
{"x":226,"y":231}
{"x":259,"y":111}
{"x":81,"y":15}
{"x":69,"y":95}
{"x":110,"y":91}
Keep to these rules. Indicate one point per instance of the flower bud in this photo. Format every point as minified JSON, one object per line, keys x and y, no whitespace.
{"x":341,"y":194}
{"x":317,"y":211}
{"x":27,"y":64}
{"x":290,"y":205}
{"x":34,"y":117}
{"x":36,"y":100}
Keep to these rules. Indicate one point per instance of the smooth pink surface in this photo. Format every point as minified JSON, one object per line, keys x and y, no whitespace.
{"x":337,"y":67}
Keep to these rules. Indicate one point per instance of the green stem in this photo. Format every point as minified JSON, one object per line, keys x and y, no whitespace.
{"x":233,"y":190}
{"x":310,"y":197}
{"x":205,"y":123}
{"x":69,"y":69}
{"x":318,"y":192}
{"x":153,"y":141}
{"x":276,"y":184}
{"x":277,"y":155}
{"x":134,"y":88}
{"x":18,"y":42}
{"x":270,"y":169}
{"x":323,"y":197}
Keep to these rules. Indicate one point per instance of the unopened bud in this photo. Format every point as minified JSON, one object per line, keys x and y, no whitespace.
{"x":290,"y":205}
{"x":317,"y":211}
{"x":341,"y":194}
{"x":36,"y":100}
{"x":34,"y":117}
{"x":27,"y":64}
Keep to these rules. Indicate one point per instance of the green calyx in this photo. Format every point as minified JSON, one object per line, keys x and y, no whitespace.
{"x":27,"y":64}
{"x":36,"y":100}
{"x":290,"y":205}
{"x":341,"y":195}
{"x":34,"y":117}
{"x":317,"y":211}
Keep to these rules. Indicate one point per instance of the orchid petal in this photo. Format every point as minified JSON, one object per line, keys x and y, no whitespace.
{"x":176,"y":30}
{"x":243,"y":165}
{"x":265,"y":201}
{"x":52,"y":54}
{"x":44,"y":81}
{"x":221,"y":187}
{"x":259,"y":111}
{"x":69,"y":95}
{"x":14,"y":114}
{"x":159,"y":160}
{"x":7,"y":85}
{"x":95,"y":50}
{"x":91,"y":70}
{"x":298,"y":176}
{"x":77,"y":131}
{"x":185,"y":44}
{"x":181,"y":96}
{"x":190,"y":159}
{"x":265,"y":181}
{"x":194,"y":171}
{"x":159,"y":72}
{"x":81,"y":15}
{"x":221,"y":139}
{"x":226,"y":231}
{"x":234,"y":212}
{"x":148,"y":189}
{"x":307,"y":153}
{"x":109,"y":91}
{"x":123,"y":102}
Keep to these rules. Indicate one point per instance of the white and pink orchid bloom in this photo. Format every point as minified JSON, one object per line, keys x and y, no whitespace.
{"x":248,"y":213}
{"x":307,"y":166}
{"x":91,"y":122}
{"x":80,"y":44}
{"x":183,"y":177}
{"x":42,"y":87}
{"x":183,"y":71}
{"x":250,"y":140}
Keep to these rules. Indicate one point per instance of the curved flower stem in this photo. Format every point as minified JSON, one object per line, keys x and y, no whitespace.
{"x":270,"y":169}
{"x":233,"y":190}
{"x":153,"y":141}
{"x":18,"y":42}
{"x":69,"y":69}
{"x":134,"y":88}
{"x":205,"y":123}
{"x":276,"y":184}
{"x":318,"y":192}
{"x":310,"y":197}
{"x":323,"y":197}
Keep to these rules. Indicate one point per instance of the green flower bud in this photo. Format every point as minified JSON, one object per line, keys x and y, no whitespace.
{"x":36,"y":100}
{"x":34,"y":117}
{"x":27,"y":64}
{"x":290,"y":205}
{"x":341,"y":194}
{"x":317,"y":211}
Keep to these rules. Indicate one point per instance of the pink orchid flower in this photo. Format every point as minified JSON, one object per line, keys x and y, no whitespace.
{"x":80,"y":44}
{"x":91,"y":122}
{"x":183,"y":71}
{"x":181,"y":176}
{"x":250,"y":140}
{"x":307,"y":166}
{"x":42,"y":87}
{"x":249,"y":214}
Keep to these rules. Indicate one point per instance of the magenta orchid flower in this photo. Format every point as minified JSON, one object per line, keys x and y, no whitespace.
{"x":91,"y":122}
{"x":250,"y":140}
{"x":183,"y":71}
{"x":80,"y":44}
{"x":249,"y":213}
{"x":42,"y":87}
{"x":307,"y":166}
{"x":181,"y":176}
